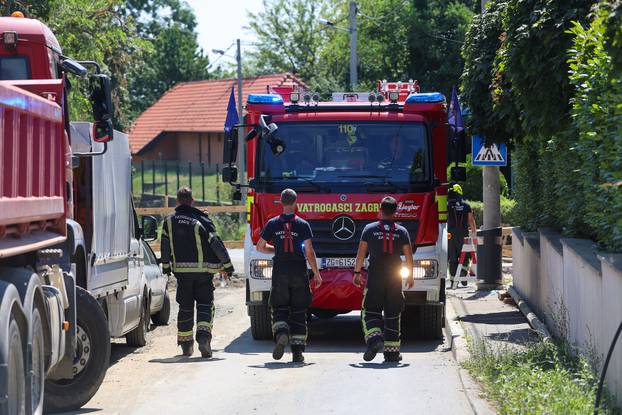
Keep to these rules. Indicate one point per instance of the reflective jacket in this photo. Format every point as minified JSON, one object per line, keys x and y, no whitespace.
{"x":190,"y":243}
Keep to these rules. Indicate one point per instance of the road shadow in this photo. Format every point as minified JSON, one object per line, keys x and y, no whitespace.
{"x":340,"y":334}
{"x":185,"y":359}
{"x":81,"y":411}
{"x":519,"y":336}
{"x":281,"y":365}
{"x":510,"y":317}
{"x":119,"y":350}
{"x":383,"y":365}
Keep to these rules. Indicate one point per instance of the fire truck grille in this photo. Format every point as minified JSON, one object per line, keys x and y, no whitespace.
{"x":327,"y":244}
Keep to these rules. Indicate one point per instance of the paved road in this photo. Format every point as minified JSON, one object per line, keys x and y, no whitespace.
{"x":242,"y":378}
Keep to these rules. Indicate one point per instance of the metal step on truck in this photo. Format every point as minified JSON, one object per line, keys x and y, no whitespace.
{"x":67,"y":226}
{"x":343,"y":156}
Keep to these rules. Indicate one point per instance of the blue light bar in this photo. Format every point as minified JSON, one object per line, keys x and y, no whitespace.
{"x":425,"y":98}
{"x":270,"y":99}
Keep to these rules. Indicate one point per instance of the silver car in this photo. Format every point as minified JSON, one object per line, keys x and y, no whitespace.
{"x":160,"y":305}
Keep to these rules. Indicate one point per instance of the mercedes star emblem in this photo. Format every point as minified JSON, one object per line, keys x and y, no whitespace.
{"x":343,"y":228}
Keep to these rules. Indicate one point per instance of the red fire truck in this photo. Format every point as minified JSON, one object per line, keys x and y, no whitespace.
{"x":342,"y":157}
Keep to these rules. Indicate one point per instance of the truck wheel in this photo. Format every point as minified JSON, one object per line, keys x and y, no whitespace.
{"x":91,"y":360}
{"x":161,"y":317}
{"x":432,"y":321}
{"x":17,"y":374}
{"x":261,"y":322}
{"x":37,"y":377}
{"x":138,"y":336}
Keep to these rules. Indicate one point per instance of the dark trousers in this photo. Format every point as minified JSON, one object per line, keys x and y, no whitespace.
{"x":191,"y":289}
{"x":383,"y":294}
{"x":454,"y":248}
{"x":290,"y":297}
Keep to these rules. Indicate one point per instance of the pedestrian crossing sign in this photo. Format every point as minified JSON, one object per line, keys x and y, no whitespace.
{"x":495,"y":155}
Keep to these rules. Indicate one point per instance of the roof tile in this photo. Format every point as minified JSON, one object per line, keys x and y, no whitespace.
{"x":197,"y":106}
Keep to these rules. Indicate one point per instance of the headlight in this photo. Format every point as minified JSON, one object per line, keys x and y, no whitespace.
{"x":423,"y":269}
{"x":261,"y":269}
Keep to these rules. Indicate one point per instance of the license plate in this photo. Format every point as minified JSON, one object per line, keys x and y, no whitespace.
{"x":338,"y":263}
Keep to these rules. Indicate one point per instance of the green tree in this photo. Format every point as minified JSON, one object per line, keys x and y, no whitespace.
{"x":400,"y":40}
{"x":532,"y":59}
{"x":482,"y":42}
{"x":290,"y":37}
{"x":172,"y":54}
{"x":92,"y":30}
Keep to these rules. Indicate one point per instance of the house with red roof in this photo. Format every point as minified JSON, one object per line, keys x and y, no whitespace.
{"x":187,"y":122}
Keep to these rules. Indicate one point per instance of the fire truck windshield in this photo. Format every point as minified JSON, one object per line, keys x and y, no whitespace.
{"x":347,"y":154}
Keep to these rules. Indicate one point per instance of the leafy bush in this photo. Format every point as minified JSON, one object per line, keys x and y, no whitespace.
{"x":564,"y":110}
{"x":508,"y":211}
{"x":597,"y":122}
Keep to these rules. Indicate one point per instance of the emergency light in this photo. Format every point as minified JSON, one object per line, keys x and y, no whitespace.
{"x":294,"y":97}
{"x":269,"y":99}
{"x":10,"y":40}
{"x":425,"y":98}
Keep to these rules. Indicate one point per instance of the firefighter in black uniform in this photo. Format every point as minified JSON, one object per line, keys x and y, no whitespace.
{"x":386,"y":242}
{"x":290,"y":296}
{"x":193,"y":251}
{"x":459,"y":219}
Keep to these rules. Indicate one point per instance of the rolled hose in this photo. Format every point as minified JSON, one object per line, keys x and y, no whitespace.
{"x":601,"y":382}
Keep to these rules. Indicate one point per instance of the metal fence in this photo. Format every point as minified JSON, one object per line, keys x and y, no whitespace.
{"x":154,"y":179}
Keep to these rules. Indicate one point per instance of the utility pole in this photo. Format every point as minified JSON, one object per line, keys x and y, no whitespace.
{"x":241,"y":135}
{"x":353,"y":46}
{"x":492,"y":220}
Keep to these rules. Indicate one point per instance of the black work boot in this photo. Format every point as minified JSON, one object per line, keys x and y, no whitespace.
{"x":298,"y":357}
{"x":205,"y":347}
{"x":279,"y":347}
{"x":392,"y":357}
{"x":373,"y":348}
{"x":187,"y":348}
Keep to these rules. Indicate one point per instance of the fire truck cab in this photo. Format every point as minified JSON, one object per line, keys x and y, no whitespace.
{"x":342,"y":157}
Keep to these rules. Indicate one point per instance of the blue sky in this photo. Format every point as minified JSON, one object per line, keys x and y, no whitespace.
{"x":223,"y":21}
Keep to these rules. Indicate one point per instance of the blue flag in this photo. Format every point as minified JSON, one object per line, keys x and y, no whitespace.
{"x":455,"y":113}
{"x":232,"y":114}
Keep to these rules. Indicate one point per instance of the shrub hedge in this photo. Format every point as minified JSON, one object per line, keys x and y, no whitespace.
{"x":566,"y":110}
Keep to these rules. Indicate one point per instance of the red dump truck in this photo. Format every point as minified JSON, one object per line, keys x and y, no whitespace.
{"x":54,"y":337}
{"x":343,"y":156}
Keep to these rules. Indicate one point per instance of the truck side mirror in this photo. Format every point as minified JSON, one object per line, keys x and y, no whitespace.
{"x":230,"y":174}
{"x":71,"y":66}
{"x":458,"y":174}
{"x":150,"y":228}
{"x":230,"y":147}
{"x":101,"y":101}
{"x":457,"y":145}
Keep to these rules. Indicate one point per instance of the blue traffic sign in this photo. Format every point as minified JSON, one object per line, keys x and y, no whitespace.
{"x":495,"y":155}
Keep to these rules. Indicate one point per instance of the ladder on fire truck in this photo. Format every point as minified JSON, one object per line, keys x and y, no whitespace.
{"x":470,"y":247}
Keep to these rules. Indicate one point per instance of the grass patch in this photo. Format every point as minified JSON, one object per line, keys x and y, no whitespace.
{"x":546,"y":378}
{"x":229,"y":226}
{"x":162,"y":183}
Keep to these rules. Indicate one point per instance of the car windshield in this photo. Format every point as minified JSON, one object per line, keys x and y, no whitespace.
{"x":342,"y":152}
{"x":13,"y":68}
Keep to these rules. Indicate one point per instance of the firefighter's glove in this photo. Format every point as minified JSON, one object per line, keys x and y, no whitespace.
{"x":229,"y":270}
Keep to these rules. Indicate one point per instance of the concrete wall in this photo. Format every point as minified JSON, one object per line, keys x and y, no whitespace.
{"x":575,"y":290}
